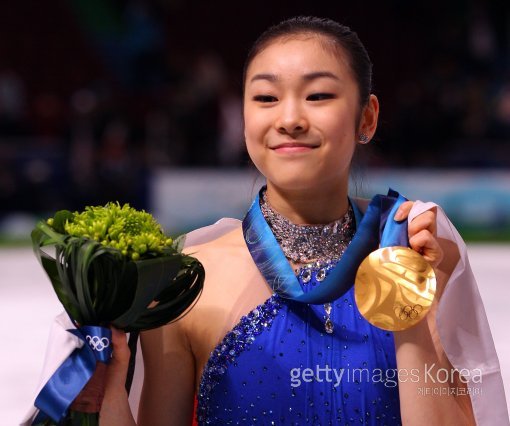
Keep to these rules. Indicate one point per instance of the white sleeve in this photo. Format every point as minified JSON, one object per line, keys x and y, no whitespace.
{"x":464,"y":330}
{"x":61,"y":345}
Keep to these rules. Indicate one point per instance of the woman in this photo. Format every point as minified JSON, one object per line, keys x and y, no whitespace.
{"x":253,"y":356}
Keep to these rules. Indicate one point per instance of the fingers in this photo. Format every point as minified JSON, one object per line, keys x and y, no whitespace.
{"x":422,"y":237}
{"x":427,"y":220}
{"x":115,"y":408}
{"x":118,"y":366}
{"x":121,"y":350}
{"x":422,"y":232}
{"x":427,"y":245}
{"x":403,"y":211}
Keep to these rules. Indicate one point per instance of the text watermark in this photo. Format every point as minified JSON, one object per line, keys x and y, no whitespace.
{"x":389,"y":377}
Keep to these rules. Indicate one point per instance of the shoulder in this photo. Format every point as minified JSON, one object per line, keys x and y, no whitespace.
{"x":226,"y":261}
{"x":211,"y":245}
{"x":228,"y":267}
{"x":215,"y":243}
{"x":233,"y":286}
{"x":212,"y":232}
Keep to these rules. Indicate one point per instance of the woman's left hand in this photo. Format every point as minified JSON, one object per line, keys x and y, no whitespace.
{"x":421,"y":345}
{"x":422,"y":233}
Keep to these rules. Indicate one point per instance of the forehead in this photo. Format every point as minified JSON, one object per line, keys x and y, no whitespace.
{"x":300,"y":52}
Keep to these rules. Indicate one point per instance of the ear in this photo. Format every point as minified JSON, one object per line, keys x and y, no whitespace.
{"x":369,"y":117}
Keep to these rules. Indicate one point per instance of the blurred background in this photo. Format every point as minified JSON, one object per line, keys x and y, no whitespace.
{"x":140,"y":102}
{"x":100,"y":98}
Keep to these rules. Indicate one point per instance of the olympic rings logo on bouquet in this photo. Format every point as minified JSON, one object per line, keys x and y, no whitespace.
{"x":97,"y":343}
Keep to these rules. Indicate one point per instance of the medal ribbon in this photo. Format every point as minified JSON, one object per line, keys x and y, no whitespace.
{"x":375,"y":227}
{"x":71,"y":377}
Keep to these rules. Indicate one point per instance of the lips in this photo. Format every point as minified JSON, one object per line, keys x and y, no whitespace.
{"x":290,"y":147}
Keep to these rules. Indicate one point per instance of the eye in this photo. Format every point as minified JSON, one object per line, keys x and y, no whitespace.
{"x":264,"y":98}
{"x":320,"y":96}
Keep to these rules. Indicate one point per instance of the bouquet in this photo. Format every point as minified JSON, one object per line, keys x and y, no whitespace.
{"x":109,"y":266}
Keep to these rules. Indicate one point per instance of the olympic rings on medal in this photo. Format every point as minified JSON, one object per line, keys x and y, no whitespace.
{"x":408,"y":312}
{"x":97,"y":343}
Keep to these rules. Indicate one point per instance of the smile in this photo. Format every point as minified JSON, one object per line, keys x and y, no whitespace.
{"x":293,"y":147}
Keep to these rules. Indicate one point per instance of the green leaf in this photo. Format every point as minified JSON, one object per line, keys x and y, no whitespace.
{"x":99,"y":286}
{"x":60,"y":219}
{"x":178,"y":243}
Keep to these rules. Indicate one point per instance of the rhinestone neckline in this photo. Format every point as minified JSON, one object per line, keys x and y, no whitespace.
{"x":309,"y":243}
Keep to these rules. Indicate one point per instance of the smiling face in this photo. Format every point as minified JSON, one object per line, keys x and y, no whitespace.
{"x":301,"y":110}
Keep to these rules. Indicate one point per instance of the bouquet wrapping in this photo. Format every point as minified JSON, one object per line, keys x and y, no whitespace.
{"x":109,"y":266}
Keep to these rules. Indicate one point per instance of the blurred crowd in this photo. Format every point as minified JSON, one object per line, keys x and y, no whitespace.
{"x":81,"y":137}
{"x":454,"y":109}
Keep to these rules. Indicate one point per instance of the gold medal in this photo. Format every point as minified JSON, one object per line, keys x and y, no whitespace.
{"x":394,"y":288}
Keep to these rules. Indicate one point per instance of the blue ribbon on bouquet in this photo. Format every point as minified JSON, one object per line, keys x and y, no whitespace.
{"x":70,"y":378}
{"x":376,"y":227}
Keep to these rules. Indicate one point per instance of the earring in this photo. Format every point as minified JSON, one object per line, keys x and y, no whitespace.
{"x":363,"y":139}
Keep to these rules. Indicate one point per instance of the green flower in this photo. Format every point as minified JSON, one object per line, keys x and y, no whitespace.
{"x":136,"y":234}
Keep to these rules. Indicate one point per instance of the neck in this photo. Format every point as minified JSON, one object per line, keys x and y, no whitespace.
{"x":310,"y":206}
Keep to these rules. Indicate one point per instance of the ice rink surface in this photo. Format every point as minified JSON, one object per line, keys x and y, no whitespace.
{"x":28,"y":305}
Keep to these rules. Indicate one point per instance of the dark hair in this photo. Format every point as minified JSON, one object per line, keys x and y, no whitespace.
{"x":342,"y":36}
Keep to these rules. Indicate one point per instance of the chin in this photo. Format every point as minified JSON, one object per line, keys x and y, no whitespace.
{"x":293,"y":182}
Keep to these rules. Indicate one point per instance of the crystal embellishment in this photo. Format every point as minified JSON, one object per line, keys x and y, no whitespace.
{"x":307,"y":243}
{"x":313,"y":274}
{"x":328,"y":326}
{"x":321,"y":274}
{"x":306,"y":276}
{"x":316,"y":247}
{"x":232,"y":345}
{"x":327,"y":308}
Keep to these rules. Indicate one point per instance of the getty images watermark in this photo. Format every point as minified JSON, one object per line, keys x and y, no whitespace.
{"x":391,"y":377}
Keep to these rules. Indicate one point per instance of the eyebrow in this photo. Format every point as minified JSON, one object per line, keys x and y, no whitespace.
{"x":307,"y":77}
{"x":320,"y":74}
{"x":269,"y":77}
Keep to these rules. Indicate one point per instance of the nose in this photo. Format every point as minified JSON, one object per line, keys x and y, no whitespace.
{"x":291,"y":118}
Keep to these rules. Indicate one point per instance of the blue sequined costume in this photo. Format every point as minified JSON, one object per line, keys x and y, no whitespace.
{"x":278,"y":366}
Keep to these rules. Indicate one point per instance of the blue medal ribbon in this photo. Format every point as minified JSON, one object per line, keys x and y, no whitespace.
{"x":392,"y":233}
{"x":70,"y":378}
{"x":376,"y":227}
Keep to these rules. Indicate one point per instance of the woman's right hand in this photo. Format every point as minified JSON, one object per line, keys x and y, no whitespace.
{"x":118,"y":367}
{"x":115,"y":409}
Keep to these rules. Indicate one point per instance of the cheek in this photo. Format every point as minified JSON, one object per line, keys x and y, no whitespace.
{"x":252,"y":138}
{"x":255,"y":128}
{"x":340,"y":132}
{"x":257,"y":156}
{"x":338,"y":128}
{"x":255,"y":151}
